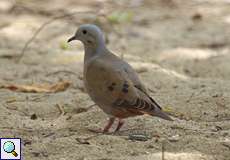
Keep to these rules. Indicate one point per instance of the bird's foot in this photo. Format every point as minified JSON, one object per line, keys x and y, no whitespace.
{"x":119,"y":125}
{"x":99,"y":131}
{"x":107,"y":127}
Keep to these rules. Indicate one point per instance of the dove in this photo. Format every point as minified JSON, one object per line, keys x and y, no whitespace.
{"x":111,"y":82}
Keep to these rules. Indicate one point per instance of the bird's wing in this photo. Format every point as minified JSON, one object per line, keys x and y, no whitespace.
{"x":132,"y":75}
{"x":134,"y":98}
{"x":129,"y":71}
{"x":122,"y":92}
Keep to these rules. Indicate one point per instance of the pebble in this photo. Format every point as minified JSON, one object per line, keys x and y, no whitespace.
{"x":139,"y":137}
{"x":174,"y":138}
{"x":33,"y":116}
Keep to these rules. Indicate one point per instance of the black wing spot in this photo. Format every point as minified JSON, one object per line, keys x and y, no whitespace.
{"x":125,"y":70}
{"x":125,"y":85}
{"x":110,"y":88}
{"x":125,"y":90}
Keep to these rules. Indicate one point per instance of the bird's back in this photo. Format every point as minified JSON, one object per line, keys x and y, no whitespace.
{"x":101,"y":67}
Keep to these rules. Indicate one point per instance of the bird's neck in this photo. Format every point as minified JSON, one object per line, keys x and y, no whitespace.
{"x":93,"y":51}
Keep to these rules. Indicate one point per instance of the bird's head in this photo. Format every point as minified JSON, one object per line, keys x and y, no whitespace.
{"x":89,"y":35}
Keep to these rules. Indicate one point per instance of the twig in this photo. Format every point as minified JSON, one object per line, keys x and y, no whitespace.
{"x":15,"y":109}
{"x":85,"y":140}
{"x":189,"y":99}
{"x":64,"y":71}
{"x":163,"y":151}
{"x":81,"y":110}
{"x":193,"y":94}
{"x":38,"y":98}
{"x":43,"y":26}
{"x":61,"y":110}
{"x":49,"y":134}
{"x":82,"y":140}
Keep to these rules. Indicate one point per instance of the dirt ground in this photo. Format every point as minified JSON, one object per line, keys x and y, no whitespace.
{"x":181,"y":50}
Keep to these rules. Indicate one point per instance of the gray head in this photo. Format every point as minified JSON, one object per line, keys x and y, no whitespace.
{"x":90,"y":35}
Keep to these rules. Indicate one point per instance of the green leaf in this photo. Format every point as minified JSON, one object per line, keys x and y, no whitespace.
{"x":120,"y":17}
{"x":64,"y":45}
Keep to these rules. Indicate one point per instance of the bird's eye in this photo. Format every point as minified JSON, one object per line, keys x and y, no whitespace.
{"x":84,"y":31}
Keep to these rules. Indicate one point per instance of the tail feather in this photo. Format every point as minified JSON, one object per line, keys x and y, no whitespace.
{"x":159,"y":113}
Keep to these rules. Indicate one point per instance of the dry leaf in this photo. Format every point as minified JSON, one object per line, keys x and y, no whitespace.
{"x":45,"y":88}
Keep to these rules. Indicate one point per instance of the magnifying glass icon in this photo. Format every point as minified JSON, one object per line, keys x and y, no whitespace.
{"x":9,"y":147}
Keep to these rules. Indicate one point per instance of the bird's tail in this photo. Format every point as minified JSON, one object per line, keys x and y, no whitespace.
{"x":159,"y":113}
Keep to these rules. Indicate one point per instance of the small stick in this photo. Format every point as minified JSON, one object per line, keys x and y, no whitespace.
{"x":43,"y":26}
{"x":85,"y":140}
{"x":64,"y":71}
{"x":61,"y":110}
{"x":189,"y":99}
{"x":163,"y":151}
{"x":193,"y":94}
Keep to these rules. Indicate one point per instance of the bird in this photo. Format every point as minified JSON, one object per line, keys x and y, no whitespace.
{"x":111,"y":82}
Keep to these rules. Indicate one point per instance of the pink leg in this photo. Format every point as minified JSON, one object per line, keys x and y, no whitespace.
{"x":109,"y":125}
{"x":120,"y":124}
{"x":106,"y":128}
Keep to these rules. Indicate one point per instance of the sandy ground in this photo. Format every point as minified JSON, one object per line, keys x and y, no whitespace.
{"x":179,"y":48}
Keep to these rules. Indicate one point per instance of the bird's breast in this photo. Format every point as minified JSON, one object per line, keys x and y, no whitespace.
{"x":95,"y":81}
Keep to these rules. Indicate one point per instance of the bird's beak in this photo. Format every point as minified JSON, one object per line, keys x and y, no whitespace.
{"x":71,"y":39}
